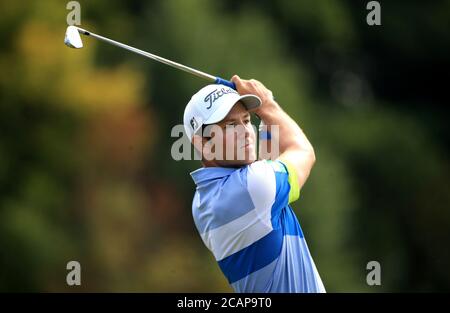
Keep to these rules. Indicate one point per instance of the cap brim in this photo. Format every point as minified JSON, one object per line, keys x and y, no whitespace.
{"x":249,"y":101}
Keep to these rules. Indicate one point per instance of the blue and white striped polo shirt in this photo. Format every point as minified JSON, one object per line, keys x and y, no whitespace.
{"x":244,"y":218}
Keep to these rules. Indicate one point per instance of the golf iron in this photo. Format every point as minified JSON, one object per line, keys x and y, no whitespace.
{"x":73,"y":40}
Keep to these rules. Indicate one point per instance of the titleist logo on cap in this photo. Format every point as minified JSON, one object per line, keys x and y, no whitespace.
{"x":216,"y":94}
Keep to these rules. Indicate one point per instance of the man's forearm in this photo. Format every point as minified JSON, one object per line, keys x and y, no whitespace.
{"x":283,"y":129}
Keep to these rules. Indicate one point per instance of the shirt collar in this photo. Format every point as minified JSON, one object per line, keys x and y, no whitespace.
{"x":207,"y":173}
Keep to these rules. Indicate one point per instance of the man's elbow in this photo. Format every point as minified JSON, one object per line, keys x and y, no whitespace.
{"x":309,"y":155}
{"x":312,"y":156}
{"x":305,"y":167}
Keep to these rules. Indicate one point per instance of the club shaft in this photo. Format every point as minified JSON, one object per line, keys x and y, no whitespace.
{"x":149,"y":55}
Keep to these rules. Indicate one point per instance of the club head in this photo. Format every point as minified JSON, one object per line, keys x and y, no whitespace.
{"x":73,"y":38}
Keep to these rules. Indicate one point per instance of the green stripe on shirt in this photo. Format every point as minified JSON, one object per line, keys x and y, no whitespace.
{"x":294,"y":193}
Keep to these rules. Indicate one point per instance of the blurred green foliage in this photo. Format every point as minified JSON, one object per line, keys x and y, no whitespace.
{"x":85,"y":166}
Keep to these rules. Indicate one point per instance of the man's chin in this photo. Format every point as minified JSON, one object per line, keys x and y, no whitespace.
{"x":237,"y":163}
{"x":244,"y":162}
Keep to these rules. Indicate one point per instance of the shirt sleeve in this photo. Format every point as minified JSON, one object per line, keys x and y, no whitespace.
{"x":272,"y":185}
{"x":294,"y":192}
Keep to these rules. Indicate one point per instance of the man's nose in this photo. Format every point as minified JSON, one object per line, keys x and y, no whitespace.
{"x":243,"y":131}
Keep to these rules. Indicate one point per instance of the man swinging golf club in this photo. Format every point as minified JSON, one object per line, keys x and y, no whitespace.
{"x":241,"y":205}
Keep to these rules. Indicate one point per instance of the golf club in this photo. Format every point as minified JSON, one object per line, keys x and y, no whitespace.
{"x":72,"y":39}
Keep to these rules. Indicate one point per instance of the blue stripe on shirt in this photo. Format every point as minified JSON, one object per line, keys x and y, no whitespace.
{"x":218,"y":205}
{"x":281,"y":197}
{"x":253,"y":257}
{"x":292,"y":226}
{"x":263,"y":251}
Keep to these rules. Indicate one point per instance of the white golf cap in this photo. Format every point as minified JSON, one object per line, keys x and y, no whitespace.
{"x":211,"y":104}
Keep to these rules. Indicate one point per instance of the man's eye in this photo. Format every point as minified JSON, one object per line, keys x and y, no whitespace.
{"x":247,"y":121}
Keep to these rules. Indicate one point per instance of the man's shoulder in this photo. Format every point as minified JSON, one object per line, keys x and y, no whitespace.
{"x":250,"y":184}
{"x":221,"y":204}
{"x":227,"y":190}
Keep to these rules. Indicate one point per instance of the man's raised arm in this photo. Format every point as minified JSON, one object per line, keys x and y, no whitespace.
{"x":295,"y":150}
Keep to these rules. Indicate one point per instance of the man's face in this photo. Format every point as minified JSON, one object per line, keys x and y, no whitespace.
{"x":233,"y":140}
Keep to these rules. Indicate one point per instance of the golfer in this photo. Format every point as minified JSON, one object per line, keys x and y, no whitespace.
{"x":241,"y":207}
